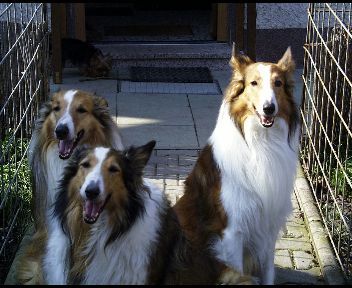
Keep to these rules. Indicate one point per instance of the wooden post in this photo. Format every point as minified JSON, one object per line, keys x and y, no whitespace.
{"x":214,"y":20}
{"x":239,"y":14}
{"x":222,"y":22}
{"x":251,"y":30}
{"x":58,"y":14}
{"x":80,"y":21}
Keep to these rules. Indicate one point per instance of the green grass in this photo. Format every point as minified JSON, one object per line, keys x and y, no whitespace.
{"x":15,"y":197}
{"x":15,"y":172}
{"x":338,"y":178}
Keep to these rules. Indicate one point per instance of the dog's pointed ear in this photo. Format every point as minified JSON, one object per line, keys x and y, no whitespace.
{"x":239,"y":60}
{"x":139,"y":156}
{"x":287,"y":63}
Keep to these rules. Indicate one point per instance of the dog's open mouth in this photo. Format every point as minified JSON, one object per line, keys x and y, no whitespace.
{"x":92,"y":210}
{"x":66,"y":147}
{"x":266,"y":121}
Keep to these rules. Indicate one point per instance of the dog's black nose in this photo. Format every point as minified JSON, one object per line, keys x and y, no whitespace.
{"x":61,"y":132}
{"x":92,"y":190}
{"x":269,"y":108}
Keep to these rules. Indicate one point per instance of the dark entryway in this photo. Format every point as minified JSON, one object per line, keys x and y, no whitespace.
{"x":148,"y":22}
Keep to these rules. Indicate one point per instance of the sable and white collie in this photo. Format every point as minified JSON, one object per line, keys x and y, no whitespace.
{"x":238,"y":196}
{"x":70,"y":119}
{"x":115,"y":227}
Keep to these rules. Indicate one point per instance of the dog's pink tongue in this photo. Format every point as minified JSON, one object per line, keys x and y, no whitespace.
{"x":65,"y":147}
{"x":91,"y":209}
{"x":88,"y":207}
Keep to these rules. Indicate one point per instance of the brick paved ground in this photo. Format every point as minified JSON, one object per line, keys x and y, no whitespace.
{"x":294,"y":257}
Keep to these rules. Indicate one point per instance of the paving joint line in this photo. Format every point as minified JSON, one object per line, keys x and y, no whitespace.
{"x":194,"y":122}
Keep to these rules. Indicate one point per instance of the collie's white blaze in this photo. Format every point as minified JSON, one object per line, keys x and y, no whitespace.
{"x":66,"y":118}
{"x":125,"y":260}
{"x":266,"y":92}
{"x":95,"y":175}
{"x":55,"y":259}
{"x":257,"y":175}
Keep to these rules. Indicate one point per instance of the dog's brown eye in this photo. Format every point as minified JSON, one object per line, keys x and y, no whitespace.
{"x":113,"y":169}
{"x":85,"y":164}
{"x":278,"y":83}
{"x":56,"y":108}
{"x":254,"y":83}
{"x":81,"y":110}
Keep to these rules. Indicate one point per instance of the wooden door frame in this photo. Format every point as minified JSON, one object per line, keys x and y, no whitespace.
{"x":59,"y":29}
{"x":219,"y":22}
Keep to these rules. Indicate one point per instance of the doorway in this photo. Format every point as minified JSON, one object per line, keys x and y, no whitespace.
{"x":155,"y":22}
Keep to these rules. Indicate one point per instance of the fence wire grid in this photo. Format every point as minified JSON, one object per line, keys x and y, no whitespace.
{"x":327,"y":126}
{"x":24,"y":68}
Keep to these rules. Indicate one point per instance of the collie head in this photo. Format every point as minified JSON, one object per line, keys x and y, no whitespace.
{"x":104,"y":180}
{"x":75,"y":117}
{"x":263,"y":90}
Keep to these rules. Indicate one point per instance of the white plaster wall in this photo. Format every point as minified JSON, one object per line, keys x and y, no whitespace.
{"x":281,"y":15}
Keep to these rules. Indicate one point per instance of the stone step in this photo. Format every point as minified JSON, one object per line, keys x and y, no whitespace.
{"x":212,"y":55}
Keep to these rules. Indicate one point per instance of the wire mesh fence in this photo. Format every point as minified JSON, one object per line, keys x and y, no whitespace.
{"x":327,"y":126}
{"x":24,"y":68}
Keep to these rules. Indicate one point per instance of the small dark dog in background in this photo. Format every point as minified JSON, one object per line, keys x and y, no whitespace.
{"x":90,"y":60}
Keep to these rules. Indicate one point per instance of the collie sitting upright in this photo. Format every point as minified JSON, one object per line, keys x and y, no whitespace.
{"x":239,"y":193}
{"x":70,"y":119}
{"x":115,"y":227}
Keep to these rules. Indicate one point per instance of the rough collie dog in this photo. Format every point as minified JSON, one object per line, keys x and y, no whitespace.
{"x":71,"y":118}
{"x":238,"y":195}
{"x":115,"y":227}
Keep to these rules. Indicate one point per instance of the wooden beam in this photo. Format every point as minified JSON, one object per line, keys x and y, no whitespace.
{"x":251,"y":30}
{"x":222,"y":22}
{"x":63,"y":19}
{"x":80,"y":21}
{"x":214,"y":20}
{"x":56,"y":27}
{"x":239,"y":15}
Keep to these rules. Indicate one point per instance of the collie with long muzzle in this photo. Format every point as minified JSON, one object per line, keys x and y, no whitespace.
{"x":70,"y":119}
{"x":239,"y":192}
{"x":115,"y":227}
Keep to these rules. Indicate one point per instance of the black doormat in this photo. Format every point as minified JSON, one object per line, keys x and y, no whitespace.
{"x":148,"y":30}
{"x":171,"y":74}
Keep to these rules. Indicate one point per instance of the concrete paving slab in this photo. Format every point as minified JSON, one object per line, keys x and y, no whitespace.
{"x":223,"y":77}
{"x":158,"y":109}
{"x":203,"y":132}
{"x":167,"y":137}
{"x":158,"y":99}
{"x":283,"y":259}
{"x":72,"y":81}
{"x":200,"y":101}
{"x":303,"y":260}
{"x":165,"y":87}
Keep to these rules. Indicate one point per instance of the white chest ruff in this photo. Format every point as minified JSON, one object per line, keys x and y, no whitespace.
{"x":54,"y":169}
{"x":257,"y":177}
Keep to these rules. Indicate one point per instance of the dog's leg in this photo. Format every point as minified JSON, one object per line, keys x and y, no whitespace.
{"x":55,"y":259}
{"x":230,"y":249}
{"x":268,"y":273}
